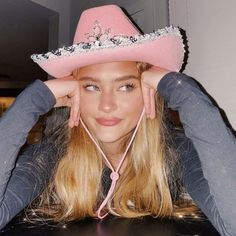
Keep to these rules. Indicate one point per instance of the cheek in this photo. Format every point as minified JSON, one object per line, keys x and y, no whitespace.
{"x":133,"y":105}
{"x":87,"y":105}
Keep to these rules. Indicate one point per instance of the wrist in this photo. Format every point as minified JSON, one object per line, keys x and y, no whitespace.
{"x":153,"y":76}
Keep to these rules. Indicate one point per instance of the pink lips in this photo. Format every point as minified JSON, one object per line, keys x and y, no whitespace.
{"x":108,"y":122}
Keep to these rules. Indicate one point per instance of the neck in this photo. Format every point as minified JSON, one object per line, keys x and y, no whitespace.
{"x":114,"y":156}
{"x":114,"y":152}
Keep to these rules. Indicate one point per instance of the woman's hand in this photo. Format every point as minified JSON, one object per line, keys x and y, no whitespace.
{"x":66,"y":92}
{"x":149,"y":81}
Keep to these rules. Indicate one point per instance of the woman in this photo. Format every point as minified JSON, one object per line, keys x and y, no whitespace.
{"x":114,"y":124}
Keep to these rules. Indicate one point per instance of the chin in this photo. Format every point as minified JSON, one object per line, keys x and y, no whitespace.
{"x":110,"y":134}
{"x":111,"y":137}
{"x":108,"y":138}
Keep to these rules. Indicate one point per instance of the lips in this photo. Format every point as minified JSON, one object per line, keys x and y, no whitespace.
{"x":108,"y":122}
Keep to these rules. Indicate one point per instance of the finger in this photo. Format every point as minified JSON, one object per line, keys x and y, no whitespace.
{"x":71,"y":122}
{"x":146,"y":98}
{"x":152,"y":104}
{"x":77,"y":121}
{"x":76,"y":112}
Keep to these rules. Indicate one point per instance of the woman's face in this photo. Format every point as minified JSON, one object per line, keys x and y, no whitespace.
{"x":110,"y":99}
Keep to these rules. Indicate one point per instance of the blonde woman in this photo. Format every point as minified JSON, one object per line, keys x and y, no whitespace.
{"x":112,"y":153}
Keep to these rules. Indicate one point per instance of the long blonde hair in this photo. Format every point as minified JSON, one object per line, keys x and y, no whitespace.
{"x":145,"y":187}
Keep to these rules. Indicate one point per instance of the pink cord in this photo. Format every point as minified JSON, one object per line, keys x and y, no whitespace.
{"x":115,"y":173}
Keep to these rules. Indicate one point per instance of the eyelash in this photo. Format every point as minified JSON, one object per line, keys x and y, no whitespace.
{"x":130,"y":87}
{"x":86,"y":87}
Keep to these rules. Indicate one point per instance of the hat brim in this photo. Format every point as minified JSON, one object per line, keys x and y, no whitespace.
{"x":165,"y":52}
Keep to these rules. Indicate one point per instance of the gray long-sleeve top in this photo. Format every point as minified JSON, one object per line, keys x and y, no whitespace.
{"x":20,"y":185}
{"x":213,"y":141}
{"x":215,"y":145}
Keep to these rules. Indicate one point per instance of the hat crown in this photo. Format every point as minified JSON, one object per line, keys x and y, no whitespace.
{"x":101,"y":23}
{"x":105,"y":34}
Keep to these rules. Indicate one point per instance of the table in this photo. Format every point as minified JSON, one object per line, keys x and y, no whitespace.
{"x":113,"y":226}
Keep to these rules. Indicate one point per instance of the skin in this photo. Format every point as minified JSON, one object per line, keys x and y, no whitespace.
{"x":108,"y":97}
{"x":111,"y":102}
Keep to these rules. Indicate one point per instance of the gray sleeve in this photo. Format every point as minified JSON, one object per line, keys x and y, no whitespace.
{"x":29,"y":177}
{"x":34,"y":101}
{"x":213,"y":141}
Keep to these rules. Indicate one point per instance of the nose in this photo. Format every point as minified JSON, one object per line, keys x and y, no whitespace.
{"x":107,"y":102}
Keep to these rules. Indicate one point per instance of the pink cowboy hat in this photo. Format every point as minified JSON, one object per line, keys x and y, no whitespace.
{"x":105,"y":34}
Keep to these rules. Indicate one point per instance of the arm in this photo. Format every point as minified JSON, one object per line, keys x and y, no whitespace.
{"x":21,"y":182}
{"x":34,"y":101}
{"x":17,"y":122}
{"x":30,"y":176}
{"x":213,"y":141}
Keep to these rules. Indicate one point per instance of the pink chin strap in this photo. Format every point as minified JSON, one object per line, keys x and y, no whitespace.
{"x":115,"y":173}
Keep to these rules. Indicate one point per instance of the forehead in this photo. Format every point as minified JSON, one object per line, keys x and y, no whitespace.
{"x":111,"y":70}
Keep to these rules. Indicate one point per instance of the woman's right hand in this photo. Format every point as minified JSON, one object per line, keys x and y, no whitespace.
{"x":66,"y":92}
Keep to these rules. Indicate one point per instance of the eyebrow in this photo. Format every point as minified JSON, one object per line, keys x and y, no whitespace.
{"x":125,"y":77}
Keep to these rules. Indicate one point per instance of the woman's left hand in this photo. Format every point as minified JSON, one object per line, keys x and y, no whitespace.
{"x":149,"y":81}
